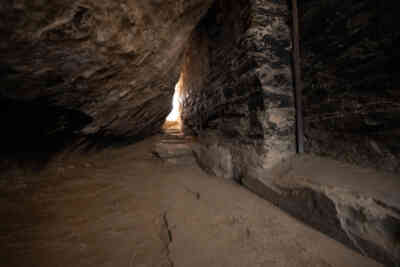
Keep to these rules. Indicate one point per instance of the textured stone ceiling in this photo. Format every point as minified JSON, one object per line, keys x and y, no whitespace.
{"x":116,"y":62}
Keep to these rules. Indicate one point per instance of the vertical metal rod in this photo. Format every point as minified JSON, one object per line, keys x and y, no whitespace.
{"x":298,"y":78}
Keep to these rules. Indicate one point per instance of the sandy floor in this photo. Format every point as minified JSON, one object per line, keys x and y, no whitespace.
{"x":128,"y":207}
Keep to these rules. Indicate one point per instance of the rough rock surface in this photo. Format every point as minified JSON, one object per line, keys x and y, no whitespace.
{"x":328,"y":195}
{"x":113,"y":64}
{"x":237,"y":87}
{"x":352,"y":96}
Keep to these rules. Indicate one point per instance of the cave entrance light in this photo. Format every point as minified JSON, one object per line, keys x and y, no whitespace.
{"x":173,"y":120}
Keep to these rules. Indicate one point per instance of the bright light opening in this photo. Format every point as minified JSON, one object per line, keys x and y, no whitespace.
{"x":174,"y":118}
{"x":174,"y":115}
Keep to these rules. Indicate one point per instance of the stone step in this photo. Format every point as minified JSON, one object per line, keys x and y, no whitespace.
{"x":172,"y":131}
{"x":172,"y":141}
{"x":174,"y":137}
{"x":174,"y":147}
{"x":172,"y":150}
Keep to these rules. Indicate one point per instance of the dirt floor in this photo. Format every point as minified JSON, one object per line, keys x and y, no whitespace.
{"x":141,"y":206}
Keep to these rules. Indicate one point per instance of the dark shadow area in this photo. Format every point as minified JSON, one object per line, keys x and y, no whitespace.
{"x":351,"y":95}
{"x":36,"y":130}
{"x":33,"y":131}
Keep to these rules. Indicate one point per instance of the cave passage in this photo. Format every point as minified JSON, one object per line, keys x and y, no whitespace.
{"x":163,"y":133}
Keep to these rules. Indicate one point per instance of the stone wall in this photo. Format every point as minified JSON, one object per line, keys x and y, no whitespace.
{"x":237,"y":85}
{"x":352,"y":96}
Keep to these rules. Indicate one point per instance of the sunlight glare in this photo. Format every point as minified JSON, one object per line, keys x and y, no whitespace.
{"x":176,"y":105}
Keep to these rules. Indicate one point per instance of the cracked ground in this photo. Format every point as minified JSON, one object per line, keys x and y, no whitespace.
{"x":127,"y":207}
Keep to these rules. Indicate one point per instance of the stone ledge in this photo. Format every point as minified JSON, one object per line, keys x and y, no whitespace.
{"x":358,"y":207}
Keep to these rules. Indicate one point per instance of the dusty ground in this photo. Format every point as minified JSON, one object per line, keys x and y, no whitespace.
{"x":131,"y":207}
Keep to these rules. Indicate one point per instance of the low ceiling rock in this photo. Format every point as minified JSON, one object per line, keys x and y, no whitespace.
{"x":115,"y":61}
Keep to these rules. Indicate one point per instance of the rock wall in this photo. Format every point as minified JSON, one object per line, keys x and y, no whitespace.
{"x":352,"y":96}
{"x":237,"y":98}
{"x":114,"y":63}
{"x":237,"y":88}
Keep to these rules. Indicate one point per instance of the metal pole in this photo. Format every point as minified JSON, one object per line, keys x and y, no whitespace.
{"x":298,"y":79}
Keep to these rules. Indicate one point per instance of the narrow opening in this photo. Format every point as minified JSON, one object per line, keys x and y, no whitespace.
{"x":173,"y":119}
